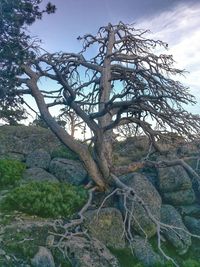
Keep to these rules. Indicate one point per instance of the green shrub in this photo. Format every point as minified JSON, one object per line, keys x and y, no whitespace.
{"x":46,"y":199}
{"x":10,"y":171}
{"x":64,"y":152}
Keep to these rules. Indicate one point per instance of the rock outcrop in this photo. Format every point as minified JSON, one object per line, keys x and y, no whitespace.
{"x":38,"y":158}
{"x":84,"y":252}
{"x":106,"y":225}
{"x":144,"y":189}
{"x":175,"y":186}
{"x":26,"y":139}
{"x":192,"y":224}
{"x":176,"y":232}
{"x":145,"y":253}
{"x":67,"y":170}
{"x":39,"y":175}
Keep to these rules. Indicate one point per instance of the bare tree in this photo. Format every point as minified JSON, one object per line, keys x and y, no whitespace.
{"x":125,"y":82}
{"x":73,"y":122}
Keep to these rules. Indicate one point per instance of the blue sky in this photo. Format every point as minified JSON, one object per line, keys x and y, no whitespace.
{"x":173,"y":21}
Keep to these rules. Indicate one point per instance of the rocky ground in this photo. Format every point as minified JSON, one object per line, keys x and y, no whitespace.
{"x":170,"y":194}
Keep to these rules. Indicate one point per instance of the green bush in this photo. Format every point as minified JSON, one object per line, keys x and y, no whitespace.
{"x":64,"y":152}
{"x":46,"y":199}
{"x":10,"y":171}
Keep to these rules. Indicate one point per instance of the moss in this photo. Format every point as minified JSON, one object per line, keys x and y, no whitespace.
{"x":22,"y":242}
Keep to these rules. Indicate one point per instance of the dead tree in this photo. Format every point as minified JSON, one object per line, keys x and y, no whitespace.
{"x":125,"y":82}
{"x":73,"y":122}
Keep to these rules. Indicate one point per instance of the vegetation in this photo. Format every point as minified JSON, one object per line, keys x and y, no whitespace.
{"x":10,"y":172}
{"x":12,"y":115}
{"x":24,"y":243}
{"x":46,"y":199}
{"x":14,"y":40}
{"x":126,"y":259}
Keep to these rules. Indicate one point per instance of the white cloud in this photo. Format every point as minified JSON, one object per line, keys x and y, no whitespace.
{"x":180,"y":28}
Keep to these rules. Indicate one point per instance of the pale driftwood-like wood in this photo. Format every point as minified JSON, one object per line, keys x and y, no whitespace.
{"x":125,"y":82}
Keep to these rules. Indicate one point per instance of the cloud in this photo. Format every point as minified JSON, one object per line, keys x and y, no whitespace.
{"x":180,"y":28}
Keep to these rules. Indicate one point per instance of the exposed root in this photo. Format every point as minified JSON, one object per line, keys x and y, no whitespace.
{"x":106,"y":198}
{"x":120,"y":170}
{"x":73,"y":228}
{"x":129,"y":193}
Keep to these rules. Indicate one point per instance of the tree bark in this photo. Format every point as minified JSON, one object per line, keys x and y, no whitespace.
{"x":103,"y":146}
{"x":63,"y":136}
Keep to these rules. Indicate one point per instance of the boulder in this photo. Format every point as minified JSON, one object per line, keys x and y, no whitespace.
{"x":26,"y":139}
{"x":131,"y":149}
{"x":38,"y":158}
{"x":173,"y":179}
{"x":143,"y":251}
{"x":179,"y":238}
{"x":13,"y":156}
{"x":2,"y":252}
{"x":84,"y":252}
{"x":190,"y":210}
{"x":67,"y":170}
{"x":106,"y":226}
{"x":39,"y":175}
{"x":193,"y":224}
{"x":144,"y":189}
{"x":43,"y":258}
{"x":182,"y":197}
{"x":99,"y":197}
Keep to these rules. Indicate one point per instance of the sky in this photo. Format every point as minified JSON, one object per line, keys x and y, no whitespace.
{"x":176,"y":22}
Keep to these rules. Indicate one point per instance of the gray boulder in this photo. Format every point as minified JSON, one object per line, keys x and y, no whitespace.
{"x":2,"y":252}
{"x":173,"y":179}
{"x":67,"y":170}
{"x":190,"y":210}
{"x":39,"y":175}
{"x":38,"y":158}
{"x":84,"y":252}
{"x":143,"y":251}
{"x":182,"y":197}
{"x":43,"y":258}
{"x":144,"y":189}
{"x":26,"y":139}
{"x":179,"y":238}
{"x":106,"y":226}
{"x":193,"y":224}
